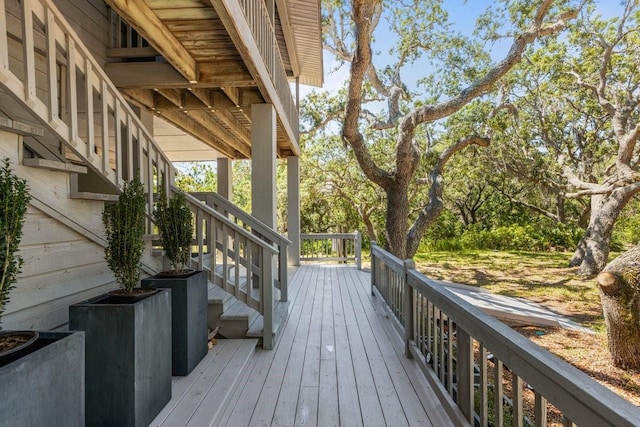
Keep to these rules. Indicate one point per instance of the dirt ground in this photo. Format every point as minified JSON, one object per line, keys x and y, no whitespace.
{"x":545,"y":279}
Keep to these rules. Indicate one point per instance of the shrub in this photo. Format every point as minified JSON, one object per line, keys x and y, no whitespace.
{"x":124,"y":223}
{"x":14,"y":198}
{"x":174,"y":221}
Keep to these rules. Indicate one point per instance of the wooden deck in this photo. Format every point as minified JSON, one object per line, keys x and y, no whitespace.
{"x":338,"y":362}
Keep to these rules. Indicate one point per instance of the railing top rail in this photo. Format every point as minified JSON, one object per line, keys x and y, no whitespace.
{"x":255,"y":223}
{"x":582,"y":397}
{"x":328,"y":235}
{"x":218,"y":216}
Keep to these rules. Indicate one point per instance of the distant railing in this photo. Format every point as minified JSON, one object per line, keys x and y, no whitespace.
{"x":237,"y":260}
{"x":338,"y":247}
{"x":258,"y":229}
{"x":484,"y":372}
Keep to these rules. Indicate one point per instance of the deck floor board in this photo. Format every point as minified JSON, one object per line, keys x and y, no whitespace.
{"x":337,"y":362}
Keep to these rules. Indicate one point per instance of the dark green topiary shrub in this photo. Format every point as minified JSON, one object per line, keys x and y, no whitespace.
{"x":124,"y":223}
{"x":14,"y":198}
{"x":174,"y":221}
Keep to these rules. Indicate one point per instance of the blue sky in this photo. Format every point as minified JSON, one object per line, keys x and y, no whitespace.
{"x":462,"y":14}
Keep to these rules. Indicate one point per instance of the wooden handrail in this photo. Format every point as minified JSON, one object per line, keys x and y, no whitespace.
{"x":452,"y":340}
{"x":223,"y":245}
{"x":256,"y":227}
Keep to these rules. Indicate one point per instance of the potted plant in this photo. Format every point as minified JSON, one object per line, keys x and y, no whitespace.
{"x":41,"y":373}
{"x":128,"y":335}
{"x":189,"y":304}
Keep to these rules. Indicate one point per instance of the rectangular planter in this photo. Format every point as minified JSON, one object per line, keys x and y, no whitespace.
{"x":189,"y":330}
{"x":46,"y":385}
{"x":128,"y":358}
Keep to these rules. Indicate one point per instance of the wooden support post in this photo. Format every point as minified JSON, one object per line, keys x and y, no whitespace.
{"x":464,"y":364}
{"x":358,"y":250}
{"x":408,"y":308}
{"x":373,"y":267}
{"x":267,"y":300}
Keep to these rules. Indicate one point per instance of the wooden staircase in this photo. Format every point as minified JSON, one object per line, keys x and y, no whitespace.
{"x":234,"y":319}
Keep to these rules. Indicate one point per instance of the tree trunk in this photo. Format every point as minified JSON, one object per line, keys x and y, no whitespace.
{"x":396,"y":221}
{"x":593,"y":249}
{"x":620,"y":294}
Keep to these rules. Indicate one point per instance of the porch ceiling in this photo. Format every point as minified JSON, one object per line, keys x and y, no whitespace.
{"x":196,"y":76}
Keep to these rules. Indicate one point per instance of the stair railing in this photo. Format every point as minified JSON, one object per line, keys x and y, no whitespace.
{"x":257,"y":228}
{"x":46,"y":67}
{"x":237,"y":260}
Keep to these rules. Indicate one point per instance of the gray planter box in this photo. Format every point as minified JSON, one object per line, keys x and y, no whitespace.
{"x":128,"y":358}
{"x":46,"y":385}
{"x":189,"y":330}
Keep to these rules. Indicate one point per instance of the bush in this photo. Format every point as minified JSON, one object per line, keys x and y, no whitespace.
{"x":14,"y":198}
{"x":124,"y":223}
{"x":539,"y":236}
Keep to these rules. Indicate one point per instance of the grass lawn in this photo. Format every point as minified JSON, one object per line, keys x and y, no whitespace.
{"x":543,"y":278}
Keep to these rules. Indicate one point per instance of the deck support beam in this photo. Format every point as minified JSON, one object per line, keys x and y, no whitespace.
{"x":293,"y":207}
{"x":225,"y":177}
{"x":263,"y":163}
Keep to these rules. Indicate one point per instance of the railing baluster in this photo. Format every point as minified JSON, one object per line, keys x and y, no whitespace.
{"x":540,"y":410}
{"x":73,"y":92}
{"x":104,"y":91}
{"x":516,"y":395}
{"x":28,"y":51}
{"x":52,"y":68}
{"x":4,"y":44}
{"x":464,"y":371}
{"x":267,"y":299}
{"x":498,"y":390}
{"x":483,"y":404}
{"x":119,"y":144}
{"x":90,"y":153}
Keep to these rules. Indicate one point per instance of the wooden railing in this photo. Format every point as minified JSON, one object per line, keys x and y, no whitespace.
{"x":339,"y":247}
{"x":47,"y":68}
{"x":484,"y":372}
{"x":236,"y":260}
{"x":264,"y":35}
{"x":258,"y":229}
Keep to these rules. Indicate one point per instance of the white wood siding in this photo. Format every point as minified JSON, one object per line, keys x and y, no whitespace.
{"x":89,"y":19}
{"x":62,"y":262}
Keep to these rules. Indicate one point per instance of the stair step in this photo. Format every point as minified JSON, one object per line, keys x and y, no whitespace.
{"x":240,"y":311}
{"x":202,"y":396}
{"x":53,"y":165}
{"x":217,"y":295}
{"x":280,"y":316}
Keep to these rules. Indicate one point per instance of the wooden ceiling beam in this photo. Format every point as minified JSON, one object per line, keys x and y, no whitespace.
{"x":172,"y":95}
{"x":150,"y":75}
{"x":149,"y":26}
{"x":204,"y":95}
{"x":197,"y":130}
{"x":211,"y":125}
